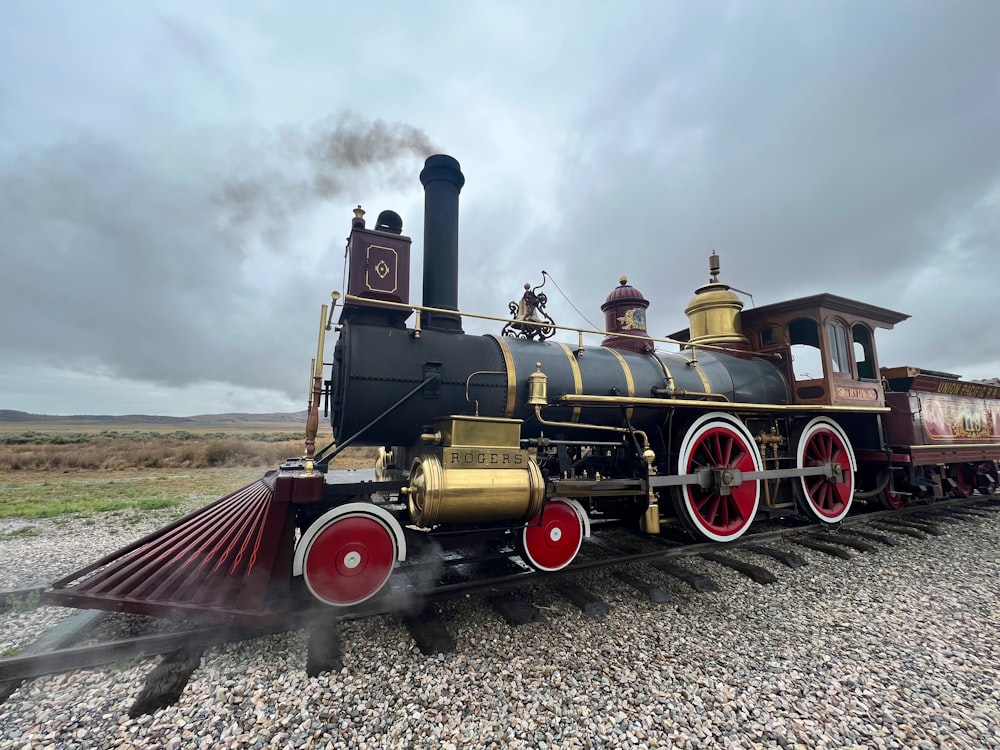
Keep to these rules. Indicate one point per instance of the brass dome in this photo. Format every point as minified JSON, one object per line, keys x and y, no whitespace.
{"x":714,"y":313}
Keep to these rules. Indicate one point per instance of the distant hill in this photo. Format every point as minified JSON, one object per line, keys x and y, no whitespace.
{"x":12,"y":416}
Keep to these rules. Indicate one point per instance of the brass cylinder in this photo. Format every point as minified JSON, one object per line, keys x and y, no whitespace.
{"x":650,"y":521}
{"x":538,"y":384}
{"x":437,"y":495}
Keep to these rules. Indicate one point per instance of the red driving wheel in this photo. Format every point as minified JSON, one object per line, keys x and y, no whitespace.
{"x":719,"y":442}
{"x":824,"y":442}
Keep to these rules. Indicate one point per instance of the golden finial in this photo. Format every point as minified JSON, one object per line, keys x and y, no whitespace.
{"x":359,"y":213}
{"x":623,"y":280}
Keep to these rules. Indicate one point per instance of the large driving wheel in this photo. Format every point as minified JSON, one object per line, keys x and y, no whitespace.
{"x":822,"y":441}
{"x":551,"y":540}
{"x":718,"y":441}
{"x":347,"y":555}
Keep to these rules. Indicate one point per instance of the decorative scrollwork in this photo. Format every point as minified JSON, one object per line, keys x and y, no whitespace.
{"x":529,"y":319}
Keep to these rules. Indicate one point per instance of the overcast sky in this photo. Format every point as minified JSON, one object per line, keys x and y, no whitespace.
{"x":177,"y":178}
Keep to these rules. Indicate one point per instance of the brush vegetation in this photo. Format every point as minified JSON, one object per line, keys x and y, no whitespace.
{"x":48,"y":469}
{"x":119,"y":453}
{"x":50,"y":445}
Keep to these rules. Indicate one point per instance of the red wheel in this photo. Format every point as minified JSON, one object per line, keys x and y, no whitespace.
{"x":551,"y":539}
{"x":719,"y":441}
{"x":821,"y":442}
{"x":347,"y":555}
{"x":965,"y":480}
{"x":892,"y":500}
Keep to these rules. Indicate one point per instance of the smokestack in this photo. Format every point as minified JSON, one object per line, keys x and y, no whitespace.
{"x":442,"y":179}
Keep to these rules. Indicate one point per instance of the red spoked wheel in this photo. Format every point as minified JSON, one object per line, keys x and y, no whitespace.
{"x":347,"y":555}
{"x":551,"y":540}
{"x":892,"y":500}
{"x":822,"y":441}
{"x":718,"y":441}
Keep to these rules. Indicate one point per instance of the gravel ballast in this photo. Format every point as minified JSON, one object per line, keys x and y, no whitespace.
{"x":896,"y":648}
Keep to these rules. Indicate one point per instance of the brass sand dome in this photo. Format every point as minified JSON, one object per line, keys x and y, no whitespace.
{"x":714,"y":313}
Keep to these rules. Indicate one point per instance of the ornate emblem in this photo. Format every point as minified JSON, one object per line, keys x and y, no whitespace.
{"x":382,"y":269}
{"x":633,"y":320}
{"x":530,"y":321}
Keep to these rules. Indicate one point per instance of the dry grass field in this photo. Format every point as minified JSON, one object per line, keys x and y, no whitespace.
{"x":102,"y":443}
{"x":52,"y":469}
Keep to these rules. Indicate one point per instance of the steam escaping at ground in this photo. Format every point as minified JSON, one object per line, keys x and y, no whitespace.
{"x":179,"y":266}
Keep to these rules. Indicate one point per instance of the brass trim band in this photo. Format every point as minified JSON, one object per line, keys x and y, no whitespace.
{"x":720,"y":405}
{"x":577,"y":379}
{"x":629,"y":380}
{"x":508,"y":359}
{"x":701,"y":374}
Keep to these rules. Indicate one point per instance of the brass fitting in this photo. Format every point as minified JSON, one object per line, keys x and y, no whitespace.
{"x":770,"y":440}
{"x":651,"y":519}
{"x":538,"y":387}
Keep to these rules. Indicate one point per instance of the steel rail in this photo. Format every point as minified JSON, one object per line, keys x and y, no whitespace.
{"x":100,"y":654}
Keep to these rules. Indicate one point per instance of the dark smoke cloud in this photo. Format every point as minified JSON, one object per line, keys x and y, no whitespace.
{"x":148,"y":266}
{"x":302,"y":166}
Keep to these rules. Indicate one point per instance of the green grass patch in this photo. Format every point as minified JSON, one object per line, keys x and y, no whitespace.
{"x":49,"y":495}
{"x":24,"y":531}
{"x":119,"y":496}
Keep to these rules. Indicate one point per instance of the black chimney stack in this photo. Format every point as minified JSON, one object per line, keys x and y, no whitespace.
{"x":442,"y":179}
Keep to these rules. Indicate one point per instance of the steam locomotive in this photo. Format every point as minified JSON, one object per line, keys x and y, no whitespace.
{"x":528,"y":445}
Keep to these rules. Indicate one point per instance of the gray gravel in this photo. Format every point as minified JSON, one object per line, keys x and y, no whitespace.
{"x":896,"y":649}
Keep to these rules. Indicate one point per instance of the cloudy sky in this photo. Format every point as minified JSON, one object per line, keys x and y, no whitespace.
{"x":177,"y":178}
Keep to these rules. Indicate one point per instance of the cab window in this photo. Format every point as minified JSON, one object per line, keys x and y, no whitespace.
{"x":864,"y":352}
{"x":807,"y":362}
{"x":836,"y":333}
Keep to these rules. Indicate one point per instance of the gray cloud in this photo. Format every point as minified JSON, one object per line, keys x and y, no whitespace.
{"x":825,"y":147}
{"x":115,"y":264}
{"x":159,"y":223}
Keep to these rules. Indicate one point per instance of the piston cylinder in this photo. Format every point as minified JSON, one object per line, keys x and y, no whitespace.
{"x":505,"y":486}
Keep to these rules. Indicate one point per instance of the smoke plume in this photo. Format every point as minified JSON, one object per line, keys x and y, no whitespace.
{"x":299,"y":167}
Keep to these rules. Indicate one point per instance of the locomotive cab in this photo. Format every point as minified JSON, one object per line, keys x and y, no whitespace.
{"x":826,"y":345}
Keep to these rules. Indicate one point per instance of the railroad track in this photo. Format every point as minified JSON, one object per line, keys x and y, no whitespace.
{"x":419,"y":587}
